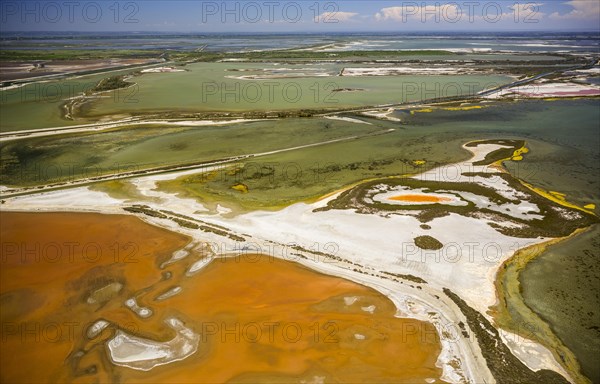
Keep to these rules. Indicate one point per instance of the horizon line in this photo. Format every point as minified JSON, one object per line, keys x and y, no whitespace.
{"x":320,"y":32}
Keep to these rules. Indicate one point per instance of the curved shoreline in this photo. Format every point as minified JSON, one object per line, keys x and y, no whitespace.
{"x":511,"y":313}
{"x":511,"y":305}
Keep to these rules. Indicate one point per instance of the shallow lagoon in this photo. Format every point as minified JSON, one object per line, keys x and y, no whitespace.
{"x":38,"y":105}
{"x":208,"y":87}
{"x":561,"y":286}
{"x":63,"y":158}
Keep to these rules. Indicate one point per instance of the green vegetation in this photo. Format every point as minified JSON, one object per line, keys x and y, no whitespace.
{"x":111,"y":83}
{"x":184,"y":223}
{"x":284,"y":55}
{"x":498,"y":154}
{"x":505,"y":367}
{"x":76,"y":54}
{"x":556,"y":221}
{"x":414,"y":279}
{"x":278,"y":180}
{"x":145,"y":210}
{"x":182,"y":220}
{"x":189,"y":222}
{"x":120,"y":189}
{"x":428,"y":243}
{"x":186,"y":56}
{"x":292,"y":54}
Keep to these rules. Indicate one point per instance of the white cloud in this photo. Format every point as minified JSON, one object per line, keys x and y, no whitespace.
{"x":525,"y":13}
{"x":445,"y":12}
{"x":582,"y":10}
{"x":335,"y":17}
{"x":527,"y":9}
{"x":452,"y":13}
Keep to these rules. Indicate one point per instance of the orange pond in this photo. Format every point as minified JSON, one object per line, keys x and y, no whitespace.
{"x":420,"y":199}
{"x":259,"y":319}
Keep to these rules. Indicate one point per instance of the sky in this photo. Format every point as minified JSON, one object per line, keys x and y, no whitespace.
{"x":299,"y":16}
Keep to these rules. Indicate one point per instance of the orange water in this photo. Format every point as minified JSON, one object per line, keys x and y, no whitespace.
{"x":260,"y":319}
{"x":420,"y":198}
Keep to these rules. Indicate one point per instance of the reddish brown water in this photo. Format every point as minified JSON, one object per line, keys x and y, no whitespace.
{"x":260,"y":319}
{"x":420,"y":198}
